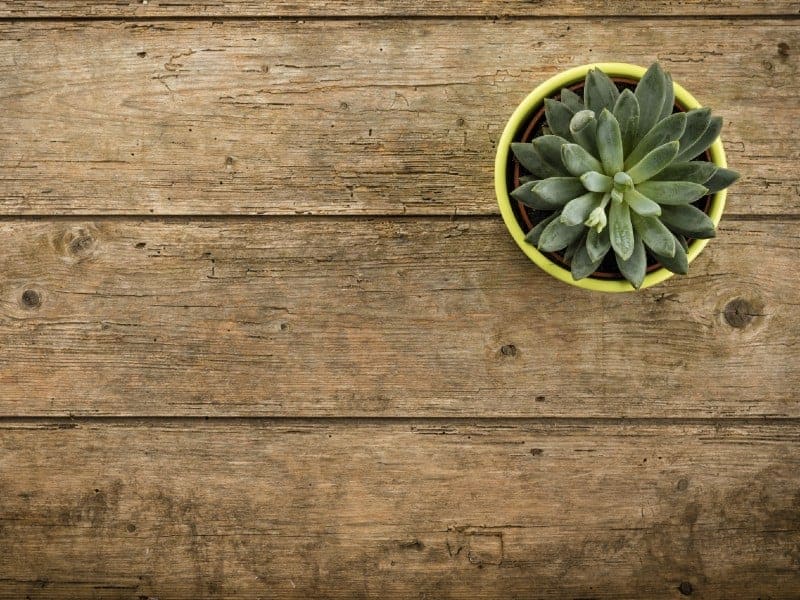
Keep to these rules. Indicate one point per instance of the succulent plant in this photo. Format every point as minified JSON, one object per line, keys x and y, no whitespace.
{"x":618,"y":172}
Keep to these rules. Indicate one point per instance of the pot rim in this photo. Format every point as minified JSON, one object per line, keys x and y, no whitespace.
{"x":524,"y":110}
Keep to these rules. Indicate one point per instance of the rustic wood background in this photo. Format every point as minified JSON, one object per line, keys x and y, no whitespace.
{"x":264,"y":335}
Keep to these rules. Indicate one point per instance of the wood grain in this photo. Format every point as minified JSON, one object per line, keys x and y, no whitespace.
{"x":350,"y":509}
{"x":404,"y":317}
{"x":345,"y":116}
{"x":361,"y":8}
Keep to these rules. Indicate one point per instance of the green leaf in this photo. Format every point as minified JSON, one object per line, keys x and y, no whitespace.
{"x":654,"y":234}
{"x":653,"y":162}
{"x":557,"y":191}
{"x":651,"y":92}
{"x":532,"y":237}
{"x":583,"y":128}
{"x":682,"y":240}
{"x":698,"y":171}
{"x":572,"y":100}
{"x":529,"y":158}
{"x":582,"y":264}
{"x":528,"y":197}
{"x":577,"y":210}
{"x":669,"y":97}
{"x":596,"y":182}
{"x":634,"y":267}
{"x":697,"y":121}
{"x":672,"y":192}
{"x":707,"y":138}
{"x":556,"y":235}
{"x":549,"y":148}
{"x":570,"y":250}
{"x":668,"y":130}
{"x":578,"y":161}
{"x":558,"y":117}
{"x":678,"y":263}
{"x":598,"y":244}
{"x":626,"y":111}
{"x":526,"y":178}
{"x":688,"y":220}
{"x":609,"y":142}
{"x":640,"y":204}
{"x":599,"y":91}
{"x":721,"y":179}
{"x":621,"y":229}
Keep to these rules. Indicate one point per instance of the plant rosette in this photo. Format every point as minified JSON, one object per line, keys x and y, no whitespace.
{"x":611,"y":177}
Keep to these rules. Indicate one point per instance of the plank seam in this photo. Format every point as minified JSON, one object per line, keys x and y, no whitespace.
{"x":382,"y":17}
{"x":127,"y":421}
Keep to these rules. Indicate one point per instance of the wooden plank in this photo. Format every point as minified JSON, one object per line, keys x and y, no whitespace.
{"x":344,"y":117}
{"x":338,"y":8}
{"x":402,"y":317}
{"x":348,"y":509}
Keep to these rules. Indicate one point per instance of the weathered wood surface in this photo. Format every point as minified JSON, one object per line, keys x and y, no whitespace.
{"x":403,"y":317}
{"x":345,"y":117}
{"x":339,"y":8}
{"x":434,"y":509}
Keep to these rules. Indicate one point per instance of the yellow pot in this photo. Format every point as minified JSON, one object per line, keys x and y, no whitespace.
{"x":521,"y":117}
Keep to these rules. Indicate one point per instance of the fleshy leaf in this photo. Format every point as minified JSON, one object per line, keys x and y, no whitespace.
{"x":626,"y":110}
{"x":668,"y":130}
{"x":596,"y":182}
{"x":572,"y":100}
{"x":577,"y":210}
{"x":578,"y":161}
{"x":688,"y":220}
{"x":556,"y":235}
{"x":621,"y":233}
{"x":721,"y":179}
{"x":698,"y":171}
{"x":634,"y":267}
{"x":653,"y":162}
{"x":557,"y":191}
{"x":654,"y":234}
{"x":582,"y":264}
{"x":583,"y":128}
{"x":640,"y":204}
{"x":529,"y":158}
{"x":598,"y":244}
{"x":532,"y":237}
{"x":528,"y":197}
{"x":707,"y":138}
{"x":549,"y":148}
{"x":678,"y":263}
{"x":570,"y":250}
{"x":669,"y":97}
{"x":672,"y":192}
{"x":651,"y":92}
{"x":609,"y":142}
{"x":599,"y":91}
{"x":697,"y":121}
{"x":558,"y":117}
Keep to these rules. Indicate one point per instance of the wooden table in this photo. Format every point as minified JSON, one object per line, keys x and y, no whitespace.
{"x":264,"y":335}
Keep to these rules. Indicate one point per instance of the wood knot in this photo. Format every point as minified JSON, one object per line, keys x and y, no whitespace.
{"x":76,"y":244}
{"x":783,"y":50}
{"x":685,"y":588}
{"x":31,"y":299}
{"x":683,"y":484}
{"x":738,"y":313}
{"x":508,"y":350}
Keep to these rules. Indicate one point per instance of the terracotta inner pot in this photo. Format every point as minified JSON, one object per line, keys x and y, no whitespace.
{"x":527,"y":224}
